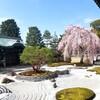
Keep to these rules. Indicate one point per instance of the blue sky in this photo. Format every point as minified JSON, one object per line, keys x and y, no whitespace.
{"x":53,"y":15}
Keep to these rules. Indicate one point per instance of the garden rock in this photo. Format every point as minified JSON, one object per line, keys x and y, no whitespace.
{"x":7,"y":80}
{"x":52,"y":80}
{"x":55,"y":85}
{"x":11,"y":73}
{"x":43,"y":69}
{"x":62,"y":72}
{"x":36,"y":78}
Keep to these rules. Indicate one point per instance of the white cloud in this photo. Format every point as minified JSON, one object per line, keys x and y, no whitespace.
{"x":88,"y":20}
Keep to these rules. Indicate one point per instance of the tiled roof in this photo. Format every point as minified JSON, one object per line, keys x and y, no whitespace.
{"x":6,"y":41}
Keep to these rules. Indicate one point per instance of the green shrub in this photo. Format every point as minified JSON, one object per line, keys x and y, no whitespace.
{"x":57,"y":56}
{"x":75,"y":94}
{"x":36,"y":56}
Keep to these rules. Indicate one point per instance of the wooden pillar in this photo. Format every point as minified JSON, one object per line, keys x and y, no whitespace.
{"x":4,"y":63}
{"x":4,"y":58}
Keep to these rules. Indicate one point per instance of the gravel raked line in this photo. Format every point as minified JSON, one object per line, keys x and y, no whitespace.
{"x":29,"y":90}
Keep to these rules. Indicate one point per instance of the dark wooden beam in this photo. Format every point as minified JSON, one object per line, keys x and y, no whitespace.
{"x":97,"y":2}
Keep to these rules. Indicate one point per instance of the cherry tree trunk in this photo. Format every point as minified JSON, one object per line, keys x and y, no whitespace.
{"x":81,"y":60}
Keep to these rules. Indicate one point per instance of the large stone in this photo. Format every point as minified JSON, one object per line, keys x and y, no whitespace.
{"x":62,"y":72}
{"x":7,"y":80}
{"x":53,"y":80}
{"x":55,"y":85}
{"x":12,"y":73}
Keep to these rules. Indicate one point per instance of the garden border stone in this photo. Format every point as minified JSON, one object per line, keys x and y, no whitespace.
{"x":36,"y":78}
{"x":42,"y":77}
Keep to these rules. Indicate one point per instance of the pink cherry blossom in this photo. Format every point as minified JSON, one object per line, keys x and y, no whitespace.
{"x":79,"y":42}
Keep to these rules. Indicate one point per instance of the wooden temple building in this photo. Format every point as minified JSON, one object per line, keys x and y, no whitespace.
{"x":10,"y":50}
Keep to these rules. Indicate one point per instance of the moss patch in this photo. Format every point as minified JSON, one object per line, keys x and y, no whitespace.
{"x":65,"y":63}
{"x":57,"y":64}
{"x":96,"y":69}
{"x":75,"y":94}
{"x":82,"y":65}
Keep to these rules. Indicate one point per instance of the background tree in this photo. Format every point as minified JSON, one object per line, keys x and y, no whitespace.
{"x":34,"y":37}
{"x":36,"y":56}
{"x":79,"y":42}
{"x":60,"y":37}
{"x":9,"y":28}
{"x":47,"y":37}
{"x":54,"y":42}
{"x":96,"y":27}
{"x":57,"y":56}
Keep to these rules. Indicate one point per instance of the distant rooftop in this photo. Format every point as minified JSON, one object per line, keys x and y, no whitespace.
{"x":10,"y":41}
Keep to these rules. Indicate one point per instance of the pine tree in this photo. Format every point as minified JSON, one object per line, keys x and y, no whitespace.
{"x":34,"y":37}
{"x":9,"y":28}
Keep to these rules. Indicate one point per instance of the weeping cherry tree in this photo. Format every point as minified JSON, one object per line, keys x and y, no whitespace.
{"x":79,"y":42}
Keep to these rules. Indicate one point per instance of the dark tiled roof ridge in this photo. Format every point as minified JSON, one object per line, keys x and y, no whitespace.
{"x":8,"y":37}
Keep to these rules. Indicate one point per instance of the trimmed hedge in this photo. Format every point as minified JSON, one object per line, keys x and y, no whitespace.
{"x":75,"y":94}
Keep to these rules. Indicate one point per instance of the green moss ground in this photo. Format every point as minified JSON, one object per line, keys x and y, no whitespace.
{"x":96,"y":69}
{"x":57,"y":64}
{"x":75,"y":94}
{"x":65,"y":63}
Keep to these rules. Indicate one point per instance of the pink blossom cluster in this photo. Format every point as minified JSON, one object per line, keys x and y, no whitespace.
{"x":79,"y":42}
